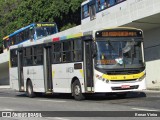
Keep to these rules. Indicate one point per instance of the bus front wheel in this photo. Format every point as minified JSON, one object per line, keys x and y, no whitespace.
{"x":29,"y":90}
{"x":77,"y":91}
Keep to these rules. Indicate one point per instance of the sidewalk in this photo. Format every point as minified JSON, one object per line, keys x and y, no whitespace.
{"x":152,"y":91}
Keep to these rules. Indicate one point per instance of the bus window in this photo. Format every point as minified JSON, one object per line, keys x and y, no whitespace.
{"x":56,"y":53}
{"x":77,"y":50}
{"x":85,"y":11}
{"x":66,"y":55}
{"x":38,"y":55}
{"x":92,"y":11}
{"x":101,"y":4}
{"x":111,"y":3}
{"x":28,"y":56}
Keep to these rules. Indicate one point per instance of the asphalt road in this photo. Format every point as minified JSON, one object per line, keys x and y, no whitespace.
{"x":148,"y":102}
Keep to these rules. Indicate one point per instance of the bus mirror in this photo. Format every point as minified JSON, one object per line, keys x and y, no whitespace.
{"x":94,"y":50}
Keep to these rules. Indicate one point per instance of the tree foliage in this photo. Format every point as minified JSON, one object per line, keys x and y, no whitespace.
{"x":15,"y":14}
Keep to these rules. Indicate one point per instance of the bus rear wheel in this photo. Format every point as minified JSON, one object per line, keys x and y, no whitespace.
{"x":77,"y":91}
{"x":29,"y":90}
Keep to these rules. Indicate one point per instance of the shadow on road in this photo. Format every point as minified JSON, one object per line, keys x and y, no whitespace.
{"x":93,"y":97}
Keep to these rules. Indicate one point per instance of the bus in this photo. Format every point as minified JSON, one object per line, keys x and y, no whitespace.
{"x":104,"y":61}
{"x":29,"y":33}
{"x":95,"y":9}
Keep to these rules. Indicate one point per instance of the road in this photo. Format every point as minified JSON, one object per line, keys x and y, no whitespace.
{"x":11,"y":100}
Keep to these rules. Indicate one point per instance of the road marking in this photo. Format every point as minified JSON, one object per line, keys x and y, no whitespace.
{"x":61,"y":118}
{"x":144,"y":109}
{"x":6,"y":109}
{"x":52,"y":101}
{"x":8,"y":97}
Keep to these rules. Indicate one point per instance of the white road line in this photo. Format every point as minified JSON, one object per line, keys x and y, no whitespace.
{"x":51,"y":101}
{"x":6,"y":109}
{"x":58,"y":118}
{"x":8,"y":97}
{"x":144,"y":109}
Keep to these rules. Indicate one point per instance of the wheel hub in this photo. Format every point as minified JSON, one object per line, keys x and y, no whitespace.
{"x":77,"y":90}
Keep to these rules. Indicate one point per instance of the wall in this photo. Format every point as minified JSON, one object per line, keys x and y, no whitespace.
{"x":152,"y":57}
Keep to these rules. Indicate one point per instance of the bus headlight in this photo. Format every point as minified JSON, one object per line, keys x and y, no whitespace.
{"x":141,"y":78}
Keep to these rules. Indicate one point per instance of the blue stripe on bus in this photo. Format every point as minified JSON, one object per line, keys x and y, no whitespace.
{"x":22,"y":29}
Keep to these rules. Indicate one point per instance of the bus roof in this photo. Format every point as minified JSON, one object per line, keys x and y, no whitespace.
{"x":5,"y":38}
{"x":20,"y":30}
{"x":87,"y":1}
{"x":23,"y":28}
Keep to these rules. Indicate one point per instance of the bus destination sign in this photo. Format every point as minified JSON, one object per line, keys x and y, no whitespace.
{"x":44,"y":25}
{"x":119,"y":34}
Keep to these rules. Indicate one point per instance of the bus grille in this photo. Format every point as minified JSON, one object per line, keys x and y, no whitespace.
{"x":123,"y":81}
{"x":131,"y":87}
{"x":126,"y":72}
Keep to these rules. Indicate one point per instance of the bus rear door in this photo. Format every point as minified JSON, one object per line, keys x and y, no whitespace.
{"x":20,"y":70}
{"x":47,"y":69}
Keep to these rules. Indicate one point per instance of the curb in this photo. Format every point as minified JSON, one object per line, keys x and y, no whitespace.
{"x":5,"y":86}
{"x":152,"y":91}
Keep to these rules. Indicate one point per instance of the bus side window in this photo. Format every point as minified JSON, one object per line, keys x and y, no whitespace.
{"x":38,"y":55}
{"x":66,"y":55}
{"x":111,"y":3}
{"x":28,"y":56}
{"x":85,"y":11}
{"x":31,"y":34}
{"x":77,"y":50}
{"x":92,"y":12}
{"x":56,"y":53}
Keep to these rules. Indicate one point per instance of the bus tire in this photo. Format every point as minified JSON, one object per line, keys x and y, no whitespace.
{"x":29,"y":90}
{"x":77,"y":91}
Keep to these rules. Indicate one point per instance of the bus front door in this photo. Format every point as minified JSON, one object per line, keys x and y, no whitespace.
{"x":20,"y":70}
{"x":88,"y":66}
{"x":47,"y":70}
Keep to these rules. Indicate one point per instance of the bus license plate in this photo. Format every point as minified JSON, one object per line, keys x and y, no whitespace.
{"x":125,"y":86}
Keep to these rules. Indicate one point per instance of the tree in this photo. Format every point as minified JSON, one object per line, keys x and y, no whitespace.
{"x":15,"y":14}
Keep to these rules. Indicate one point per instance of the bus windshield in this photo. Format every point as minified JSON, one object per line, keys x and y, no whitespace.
{"x":119,"y":54}
{"x":45,"y":31}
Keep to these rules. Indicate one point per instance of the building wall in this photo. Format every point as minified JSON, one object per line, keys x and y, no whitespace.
{"x":4,"y":73}
{"x":152,"y":57}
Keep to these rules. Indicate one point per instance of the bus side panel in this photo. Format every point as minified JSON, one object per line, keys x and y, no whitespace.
{"x":62,"y":75}
{"x":60,"y":78}
{"x":38,"y":79}
{"x":35,"y":74}
{"x":78,"y":73}
{"x":14,"y":78}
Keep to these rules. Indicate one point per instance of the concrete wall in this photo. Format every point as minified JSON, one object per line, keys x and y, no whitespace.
{"x":4,"y":73}
{"x":152,"y":57}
